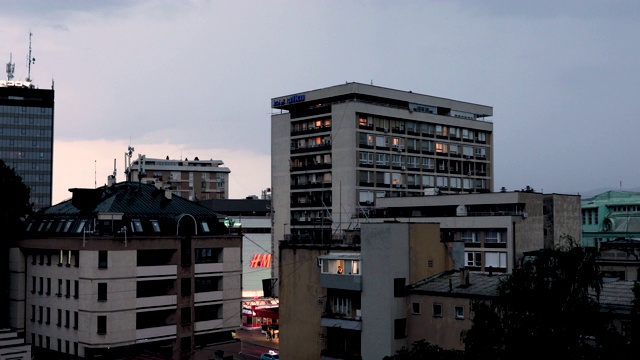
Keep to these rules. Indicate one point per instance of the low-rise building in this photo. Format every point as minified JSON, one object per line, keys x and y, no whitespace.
{"x":126,"y":269}
{"x":610,"y":215}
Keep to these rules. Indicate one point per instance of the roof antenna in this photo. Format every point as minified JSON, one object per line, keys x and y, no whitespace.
{"x":30,"y":60}
{"x":11,"y":67}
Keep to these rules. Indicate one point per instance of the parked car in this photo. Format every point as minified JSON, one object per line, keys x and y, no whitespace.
{"x":271,"y":355}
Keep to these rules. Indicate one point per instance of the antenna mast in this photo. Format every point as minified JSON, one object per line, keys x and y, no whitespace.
{"x":30,"y":60}
{"x":10,"y":68}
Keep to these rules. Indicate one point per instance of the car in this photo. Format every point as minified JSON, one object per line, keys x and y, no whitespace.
{"x":271,"y":355}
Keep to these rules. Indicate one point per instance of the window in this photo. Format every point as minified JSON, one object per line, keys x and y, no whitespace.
{"x":48,"y":321}
{"x":102,"y":291}
{"x":41,"y":288}
{"x":398,"y":287}
{"x":185,"y":286}
{"x":155,"y":225}
{"x":468,"y":236}
{"x":474,"y":258}
{"x":40,"y":314}
{"x":102,"y":259}
{"x":33,"y":284}
{"x":205,"y":226}
{"x":66,"y":318}
{"x":48,"y":286}
{"x":185,"y":316}
{"x":185,"y":344}
{"x":102,"y":324}
{"x":136,"y":226}
{"x":400,"y":328}
{"x":415,"y":308}
{"x":75,"y":320}
{"x":437,"y":310}
{"x":76,"y":288}
{"x":68,"y":294}
{"x":59,"y":323}
{"x":495,"y":236}
{"x":495,"y":259}
{"x":459,"y":312}
{"x":59,"y":287}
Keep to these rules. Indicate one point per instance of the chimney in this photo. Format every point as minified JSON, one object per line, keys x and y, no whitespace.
{"x":464,"y":277}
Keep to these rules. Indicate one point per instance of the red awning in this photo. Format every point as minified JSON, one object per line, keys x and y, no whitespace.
{"x":267,"y":313}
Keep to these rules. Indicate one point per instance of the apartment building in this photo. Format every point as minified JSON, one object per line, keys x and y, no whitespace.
{"x":348,"y":301}
{"x":495,"y":228}
{"x":124,"y":270}
{"x":610,"y":215}
{"x":337,"y":150}
{"x":192,"y":179}
{"x":26,"y":136}
{"x":251,"y":219}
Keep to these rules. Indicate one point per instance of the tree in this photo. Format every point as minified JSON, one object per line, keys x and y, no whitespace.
{"x":546,"y":308}
{"x":422,"y":350}
{"x":14,"y":206}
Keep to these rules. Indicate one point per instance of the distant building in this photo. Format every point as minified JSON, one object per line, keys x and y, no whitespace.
{"x":127,"y":270}
{"x":251,"y":218}
{"x":192,"y":179}
{"x":610,"y":215}
{"x":495,"y":228}
{"x":620,"y":259}
{"x":26,"y":136}
{"x":336,"y":151}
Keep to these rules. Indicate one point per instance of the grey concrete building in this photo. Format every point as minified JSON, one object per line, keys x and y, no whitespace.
{"x":336,"y":151}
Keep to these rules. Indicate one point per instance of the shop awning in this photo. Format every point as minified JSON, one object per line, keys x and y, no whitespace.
{"x":271,"y":313}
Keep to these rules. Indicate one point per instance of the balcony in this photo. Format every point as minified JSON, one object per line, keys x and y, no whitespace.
{"x":161,"y":270}
{"x":341,"y":281}
{"x":208,"y":296}
{"x":341,"y":322}
{"x":156,"y":301}
{"x":155,"y":333}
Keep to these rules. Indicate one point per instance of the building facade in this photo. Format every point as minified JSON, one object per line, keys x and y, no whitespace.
{"x":26,"y":136}
{"x":194,"y":180}
{"x":610,"y":215}
{"x":251,"y":219}
{"x":336,"y":151}
{"x":495,"y":228}
{"x":353,"y":301}
{"x":124,"y":270}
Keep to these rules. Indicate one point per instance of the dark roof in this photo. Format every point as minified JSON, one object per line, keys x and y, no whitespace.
{"x":130,"y":198}
{"x":248,"y":207}
{"x":480,"y":285}
{"x":154,"y":211}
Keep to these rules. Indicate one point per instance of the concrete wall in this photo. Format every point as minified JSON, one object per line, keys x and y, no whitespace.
{"x":300,"y":308}
{"x":445,"y":331}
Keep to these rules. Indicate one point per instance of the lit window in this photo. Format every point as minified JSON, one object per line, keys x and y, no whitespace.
{"x":459,"y":312}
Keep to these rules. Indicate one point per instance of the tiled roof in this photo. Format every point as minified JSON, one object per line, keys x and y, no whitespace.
{"x":130,"y":198}
{"x":448,"y":284}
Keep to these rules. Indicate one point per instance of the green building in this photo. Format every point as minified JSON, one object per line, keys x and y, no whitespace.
{"x":610,"y":215}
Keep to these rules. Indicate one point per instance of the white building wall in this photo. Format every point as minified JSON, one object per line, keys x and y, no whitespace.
{"x":385,"y":254}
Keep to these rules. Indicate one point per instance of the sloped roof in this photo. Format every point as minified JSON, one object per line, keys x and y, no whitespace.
{"x":449,"y":284}
{"x":129,"y":198}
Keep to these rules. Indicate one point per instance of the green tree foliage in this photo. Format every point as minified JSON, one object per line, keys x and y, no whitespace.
{"x":14,"y":206}
{"x":547,"y":307}
{"x":14,"y":202}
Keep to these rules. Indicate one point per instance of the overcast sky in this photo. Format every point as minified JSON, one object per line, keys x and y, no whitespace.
{"x":195,"y":78}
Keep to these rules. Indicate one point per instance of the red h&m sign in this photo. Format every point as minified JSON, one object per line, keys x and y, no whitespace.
{"x":261,"y":260}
